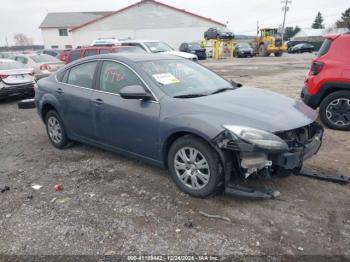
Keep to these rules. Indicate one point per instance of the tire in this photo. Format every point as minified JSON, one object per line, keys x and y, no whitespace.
{"x":190,"y":170}
{"x":26,"y":104}
{"x":262,"y":51}
{"x":330,"y":107}
{"x":279,"y":54}
{"x":55,"y":130}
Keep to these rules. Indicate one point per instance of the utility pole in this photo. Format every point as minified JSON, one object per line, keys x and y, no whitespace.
{"x":285,"y":9}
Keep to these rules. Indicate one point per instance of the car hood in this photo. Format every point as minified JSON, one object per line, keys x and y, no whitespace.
{"x":181,"y":54}
{"x":252,"y":107}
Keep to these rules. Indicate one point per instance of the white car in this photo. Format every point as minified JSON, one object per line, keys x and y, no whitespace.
{"x":15,"y":79}
{"x":42,"y":64}
{"x":155,"y":46}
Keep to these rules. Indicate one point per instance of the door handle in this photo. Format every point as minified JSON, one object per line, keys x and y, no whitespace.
{"x":98,"y":101}
{"x":59,"y":90}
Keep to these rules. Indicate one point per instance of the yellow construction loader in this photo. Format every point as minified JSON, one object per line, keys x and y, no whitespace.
{"x":269,"y":41}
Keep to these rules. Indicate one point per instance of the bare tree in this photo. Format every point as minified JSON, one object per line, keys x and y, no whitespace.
{"x":21,"y":39}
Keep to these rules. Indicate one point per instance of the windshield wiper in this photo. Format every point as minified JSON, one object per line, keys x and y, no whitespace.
{"x":190,"y":95}
{"x":222,"y":90}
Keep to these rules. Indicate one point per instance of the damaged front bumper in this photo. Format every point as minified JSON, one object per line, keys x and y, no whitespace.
{"x":248,"y":159}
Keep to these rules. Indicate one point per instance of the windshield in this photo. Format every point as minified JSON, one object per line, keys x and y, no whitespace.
{"x":194,"y":46}
{"x":43,"y":58}
{"x":7,"y":65}
{"x":182,"y":77}
{"x":243,"y":45}
{"x":158,"y":47}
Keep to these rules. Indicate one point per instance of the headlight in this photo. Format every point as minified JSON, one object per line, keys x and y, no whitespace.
{"x":257,"y":137}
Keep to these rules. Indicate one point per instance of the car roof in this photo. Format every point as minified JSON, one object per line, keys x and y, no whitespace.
{"x":138,"y":41}
{"x":133,"y":57}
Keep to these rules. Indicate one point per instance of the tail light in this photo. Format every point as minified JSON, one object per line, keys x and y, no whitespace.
{"x":44,"y":67}
{"x":3,"y":76}
{"x":316,"y":68}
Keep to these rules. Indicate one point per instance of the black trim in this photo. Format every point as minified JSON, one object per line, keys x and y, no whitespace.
{"x":315,"y":100}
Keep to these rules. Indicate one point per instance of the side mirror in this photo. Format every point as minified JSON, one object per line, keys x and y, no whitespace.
{"x":134,"y":92}
{"x":235,"y":84}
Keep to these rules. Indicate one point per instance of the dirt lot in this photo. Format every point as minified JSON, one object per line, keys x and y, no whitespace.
{"x":113,"y":205}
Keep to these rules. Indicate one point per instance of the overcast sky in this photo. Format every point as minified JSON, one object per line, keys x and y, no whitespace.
{"x":25,"y":16}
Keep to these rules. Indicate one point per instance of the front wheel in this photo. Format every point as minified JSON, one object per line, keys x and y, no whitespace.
{"x":195,"y":167}
{"x":335,"y":110}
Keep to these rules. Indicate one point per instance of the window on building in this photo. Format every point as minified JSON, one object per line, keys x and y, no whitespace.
{"x":68,"y":46}
{"x":54,"y":46}
{"x":63,"y":32}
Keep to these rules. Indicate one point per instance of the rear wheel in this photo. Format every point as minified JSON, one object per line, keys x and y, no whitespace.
{"x":55,"y":130}
{"x":195,"y":166}
{"x":335,"y":110}
{"x":278,"y":54}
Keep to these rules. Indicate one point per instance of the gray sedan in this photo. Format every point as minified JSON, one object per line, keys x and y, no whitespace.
{"x":179,"y":115}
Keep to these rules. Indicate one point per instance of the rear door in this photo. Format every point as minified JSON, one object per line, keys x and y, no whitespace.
{"x":127,"y":124}
{"x":75,"y":92}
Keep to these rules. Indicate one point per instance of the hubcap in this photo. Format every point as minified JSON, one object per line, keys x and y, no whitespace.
{"x":55,"y":130}
{"x":191,"y":168}
{"x":338,"y":112}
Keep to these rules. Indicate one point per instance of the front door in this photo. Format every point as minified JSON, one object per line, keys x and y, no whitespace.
{"x":127,"y":124}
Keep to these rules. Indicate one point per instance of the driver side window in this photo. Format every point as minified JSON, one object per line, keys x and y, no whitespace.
{"x":115,"y":76}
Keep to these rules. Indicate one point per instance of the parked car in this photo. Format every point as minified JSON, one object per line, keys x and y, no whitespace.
{"x":157,"y":47}
{"x":43,"y":64}
{"x":301,"y":48}
{"x":7,"y":55}
{"x":218,"y":33}
{"x":292,"y":43}
{"x":327,"y":85}
{"x":177,"y":114}
{"x":78,"y":53}
{"x":15,"y":79}
{"x":194,"y":48}
{"x":243,"y":50}
{"x":60,"y":54}
{"x":105,"y":42}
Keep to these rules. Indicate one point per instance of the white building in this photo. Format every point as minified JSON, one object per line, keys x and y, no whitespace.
{"x":147,"y":19}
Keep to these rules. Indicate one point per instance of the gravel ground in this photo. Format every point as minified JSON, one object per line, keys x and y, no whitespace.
{"x":114,"y":205}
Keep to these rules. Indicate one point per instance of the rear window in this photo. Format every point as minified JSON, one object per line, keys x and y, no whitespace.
{"x":325,"y":47}
{"x":7,"y":65}
{"x":74,"y":55}
{"x":90,"y":52}
{"x":43,"y":58}
{"x":104,"y":51}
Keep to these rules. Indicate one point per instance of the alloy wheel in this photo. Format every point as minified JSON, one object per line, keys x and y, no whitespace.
{"x":55,"y":130}
{"x":338,"y":112}
{"x":192,"y":168}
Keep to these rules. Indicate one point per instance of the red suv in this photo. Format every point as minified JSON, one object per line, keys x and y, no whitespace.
{"x":327,"y":85}
{"x":78,"y":53}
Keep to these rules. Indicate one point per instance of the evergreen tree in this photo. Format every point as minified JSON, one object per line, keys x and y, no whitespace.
{"x":318,"y":23}
{"x":344,"y":22}
{"x":290,"y":31}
